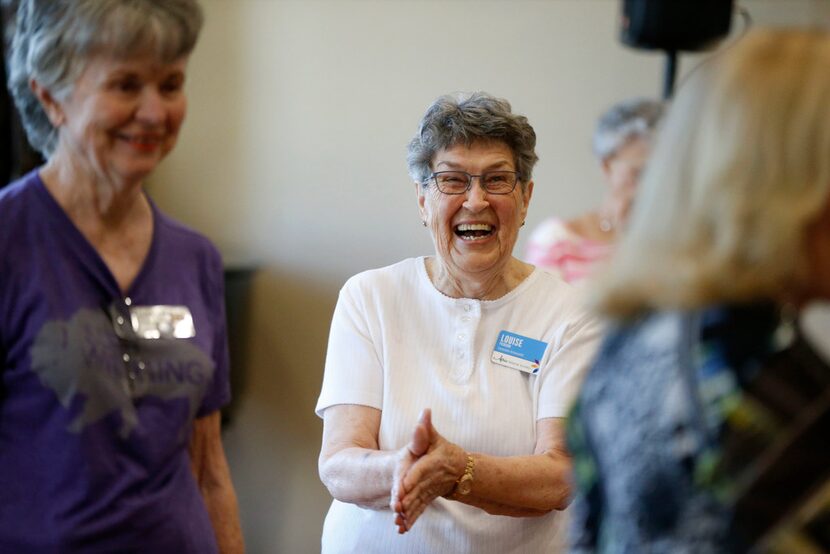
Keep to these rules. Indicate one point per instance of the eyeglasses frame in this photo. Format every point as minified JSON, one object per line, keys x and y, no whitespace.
{"x":434,"y":177}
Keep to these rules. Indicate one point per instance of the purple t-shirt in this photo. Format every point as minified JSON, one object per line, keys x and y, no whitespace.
{"x":94,"y":425}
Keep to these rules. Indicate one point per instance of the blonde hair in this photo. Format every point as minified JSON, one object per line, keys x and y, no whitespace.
{"x":740,"y":169}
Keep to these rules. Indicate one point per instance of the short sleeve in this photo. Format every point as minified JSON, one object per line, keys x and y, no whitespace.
{"x":353,"y":372}
{"x":567,"y":365}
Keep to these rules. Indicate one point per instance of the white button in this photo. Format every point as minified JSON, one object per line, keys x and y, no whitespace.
{"x":141,"y":365}
{"x":462,"y":337}
{"x":131,"y":375}
{"x":126,"y":357}
{"x":467,"y":307}
{"x":119,"y":320}
{"x":128,"y":301}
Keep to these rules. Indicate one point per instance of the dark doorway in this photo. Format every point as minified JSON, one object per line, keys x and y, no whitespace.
{"x":16,"y":155}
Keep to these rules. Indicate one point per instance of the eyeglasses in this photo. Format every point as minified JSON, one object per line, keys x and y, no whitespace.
{"x":459,"y":182}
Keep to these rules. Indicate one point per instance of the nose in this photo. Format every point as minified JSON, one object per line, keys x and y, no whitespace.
{"x":476,"y":197}
{"x":151,"y":108}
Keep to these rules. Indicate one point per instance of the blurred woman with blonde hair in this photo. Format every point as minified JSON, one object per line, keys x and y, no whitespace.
{"x":703,"y":424}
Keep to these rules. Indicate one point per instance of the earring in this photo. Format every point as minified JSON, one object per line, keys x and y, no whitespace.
{"x":424,"y":223}
{"x":523,"y":224}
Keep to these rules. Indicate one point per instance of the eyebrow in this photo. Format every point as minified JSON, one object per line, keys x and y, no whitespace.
{"x":456,"y":166}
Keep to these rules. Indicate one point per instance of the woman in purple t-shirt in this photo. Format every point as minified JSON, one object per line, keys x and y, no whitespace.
{"x":113,"y":357}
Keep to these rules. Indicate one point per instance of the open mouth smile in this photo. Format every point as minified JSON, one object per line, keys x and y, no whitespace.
{"x":473,"y":231}
{"x":142,"y":142}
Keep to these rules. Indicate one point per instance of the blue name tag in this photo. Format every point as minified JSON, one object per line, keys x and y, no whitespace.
{"x":518,"y":352}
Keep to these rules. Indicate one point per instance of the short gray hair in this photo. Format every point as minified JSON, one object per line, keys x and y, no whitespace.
{"x":633,"y":118}
{"x":55,"y":38}
{"x":465,"y":119}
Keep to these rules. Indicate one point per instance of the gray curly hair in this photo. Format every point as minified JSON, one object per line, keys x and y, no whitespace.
{"x":55,"y":38}
{"x":467,"y":118}
{"x":633,"y":118}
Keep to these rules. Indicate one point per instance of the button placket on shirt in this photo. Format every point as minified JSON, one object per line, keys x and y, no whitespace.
{"x":466,"y":322}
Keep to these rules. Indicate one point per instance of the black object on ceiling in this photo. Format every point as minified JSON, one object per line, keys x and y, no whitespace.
{"x":674,"y":26}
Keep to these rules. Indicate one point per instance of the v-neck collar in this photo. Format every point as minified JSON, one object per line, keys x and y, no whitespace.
{"x":64,"y":225}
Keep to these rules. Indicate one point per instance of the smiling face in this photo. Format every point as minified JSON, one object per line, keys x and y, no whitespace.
{"x":121,"y":118}
{"x":474,"y":233}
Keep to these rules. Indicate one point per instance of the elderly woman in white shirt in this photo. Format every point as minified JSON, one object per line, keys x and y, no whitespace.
{"x":448,"y":376}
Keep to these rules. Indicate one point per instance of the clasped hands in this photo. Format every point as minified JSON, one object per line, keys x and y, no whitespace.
{"x":426,"y":468}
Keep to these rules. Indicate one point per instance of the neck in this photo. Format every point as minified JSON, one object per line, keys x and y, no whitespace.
{"x":614,"y":210}
{"x":486,"y":285}
{"x":85,"y":196}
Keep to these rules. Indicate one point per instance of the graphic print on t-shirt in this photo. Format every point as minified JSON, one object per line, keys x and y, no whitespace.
{"x":83,"y":357}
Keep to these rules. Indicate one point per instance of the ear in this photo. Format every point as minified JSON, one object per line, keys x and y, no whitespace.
{"x":50,"y":105}
{"x":419,"y":190}
{"x":526,"y":195}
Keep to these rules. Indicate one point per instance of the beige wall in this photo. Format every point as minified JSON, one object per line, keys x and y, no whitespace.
{"x":293,"y":159}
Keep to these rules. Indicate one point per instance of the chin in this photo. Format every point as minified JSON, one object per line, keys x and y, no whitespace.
{"x":139,"y":169}
{"x":476,"y":263}
{"x":137,"y":175}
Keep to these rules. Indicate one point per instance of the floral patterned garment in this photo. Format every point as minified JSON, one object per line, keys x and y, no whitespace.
{"x":703,"y":432}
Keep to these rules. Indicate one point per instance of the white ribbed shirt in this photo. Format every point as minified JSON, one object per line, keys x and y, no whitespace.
{"x":399,"y":345}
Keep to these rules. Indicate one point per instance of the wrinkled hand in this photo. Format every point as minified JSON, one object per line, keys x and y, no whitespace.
{"x":429,"y":469}
{"x":407,"y":456}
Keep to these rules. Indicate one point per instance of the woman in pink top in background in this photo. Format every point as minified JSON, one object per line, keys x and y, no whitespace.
{"x":622,"y":141}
